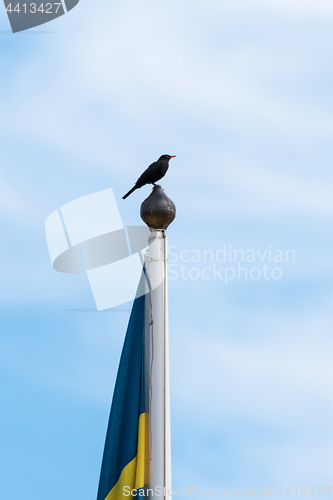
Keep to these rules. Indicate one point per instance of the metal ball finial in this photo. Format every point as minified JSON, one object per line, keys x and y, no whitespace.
{"x":158,"y":211}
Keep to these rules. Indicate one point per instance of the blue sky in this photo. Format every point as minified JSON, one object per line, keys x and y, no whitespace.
{"x":241,"y":92}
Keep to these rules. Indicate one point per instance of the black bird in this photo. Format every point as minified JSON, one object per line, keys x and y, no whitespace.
{"x":152,"y":174}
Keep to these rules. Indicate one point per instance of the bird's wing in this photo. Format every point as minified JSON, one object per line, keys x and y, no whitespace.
{"x":145,"y":176}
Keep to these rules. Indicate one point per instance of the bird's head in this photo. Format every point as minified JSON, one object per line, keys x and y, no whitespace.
{"x":166,"y":157}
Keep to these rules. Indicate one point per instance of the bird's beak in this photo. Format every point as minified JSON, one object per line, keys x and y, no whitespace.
{"x":174,"y":156}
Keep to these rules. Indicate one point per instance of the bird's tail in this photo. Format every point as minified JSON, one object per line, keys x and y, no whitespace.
{"x":130,"y":192}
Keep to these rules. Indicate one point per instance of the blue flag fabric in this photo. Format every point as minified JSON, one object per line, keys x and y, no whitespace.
{"x":123,"y":464}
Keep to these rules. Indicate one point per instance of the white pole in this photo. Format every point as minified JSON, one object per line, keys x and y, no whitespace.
{"x":159,"y":479}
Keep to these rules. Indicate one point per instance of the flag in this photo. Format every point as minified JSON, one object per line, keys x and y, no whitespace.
{"x":123,"y":463}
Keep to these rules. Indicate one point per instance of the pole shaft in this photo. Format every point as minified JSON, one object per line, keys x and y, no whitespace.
{"x":158,"y":369}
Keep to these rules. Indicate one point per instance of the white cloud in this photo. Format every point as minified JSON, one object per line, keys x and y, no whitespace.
{"x":130,"y":68}
{"x":299,"y":8}
{"x":14,"y":204}
{"x":208,"y":78}
{"x":258,"y":189}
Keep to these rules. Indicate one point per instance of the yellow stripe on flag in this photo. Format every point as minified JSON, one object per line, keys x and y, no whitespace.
{"x":133,"y":475}
{"x":140,"y":467}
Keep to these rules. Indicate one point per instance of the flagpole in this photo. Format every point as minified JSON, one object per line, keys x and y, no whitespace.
{"x":157,"y":211}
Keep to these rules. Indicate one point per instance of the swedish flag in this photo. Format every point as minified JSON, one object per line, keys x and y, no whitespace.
{"x":123,"y":462}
